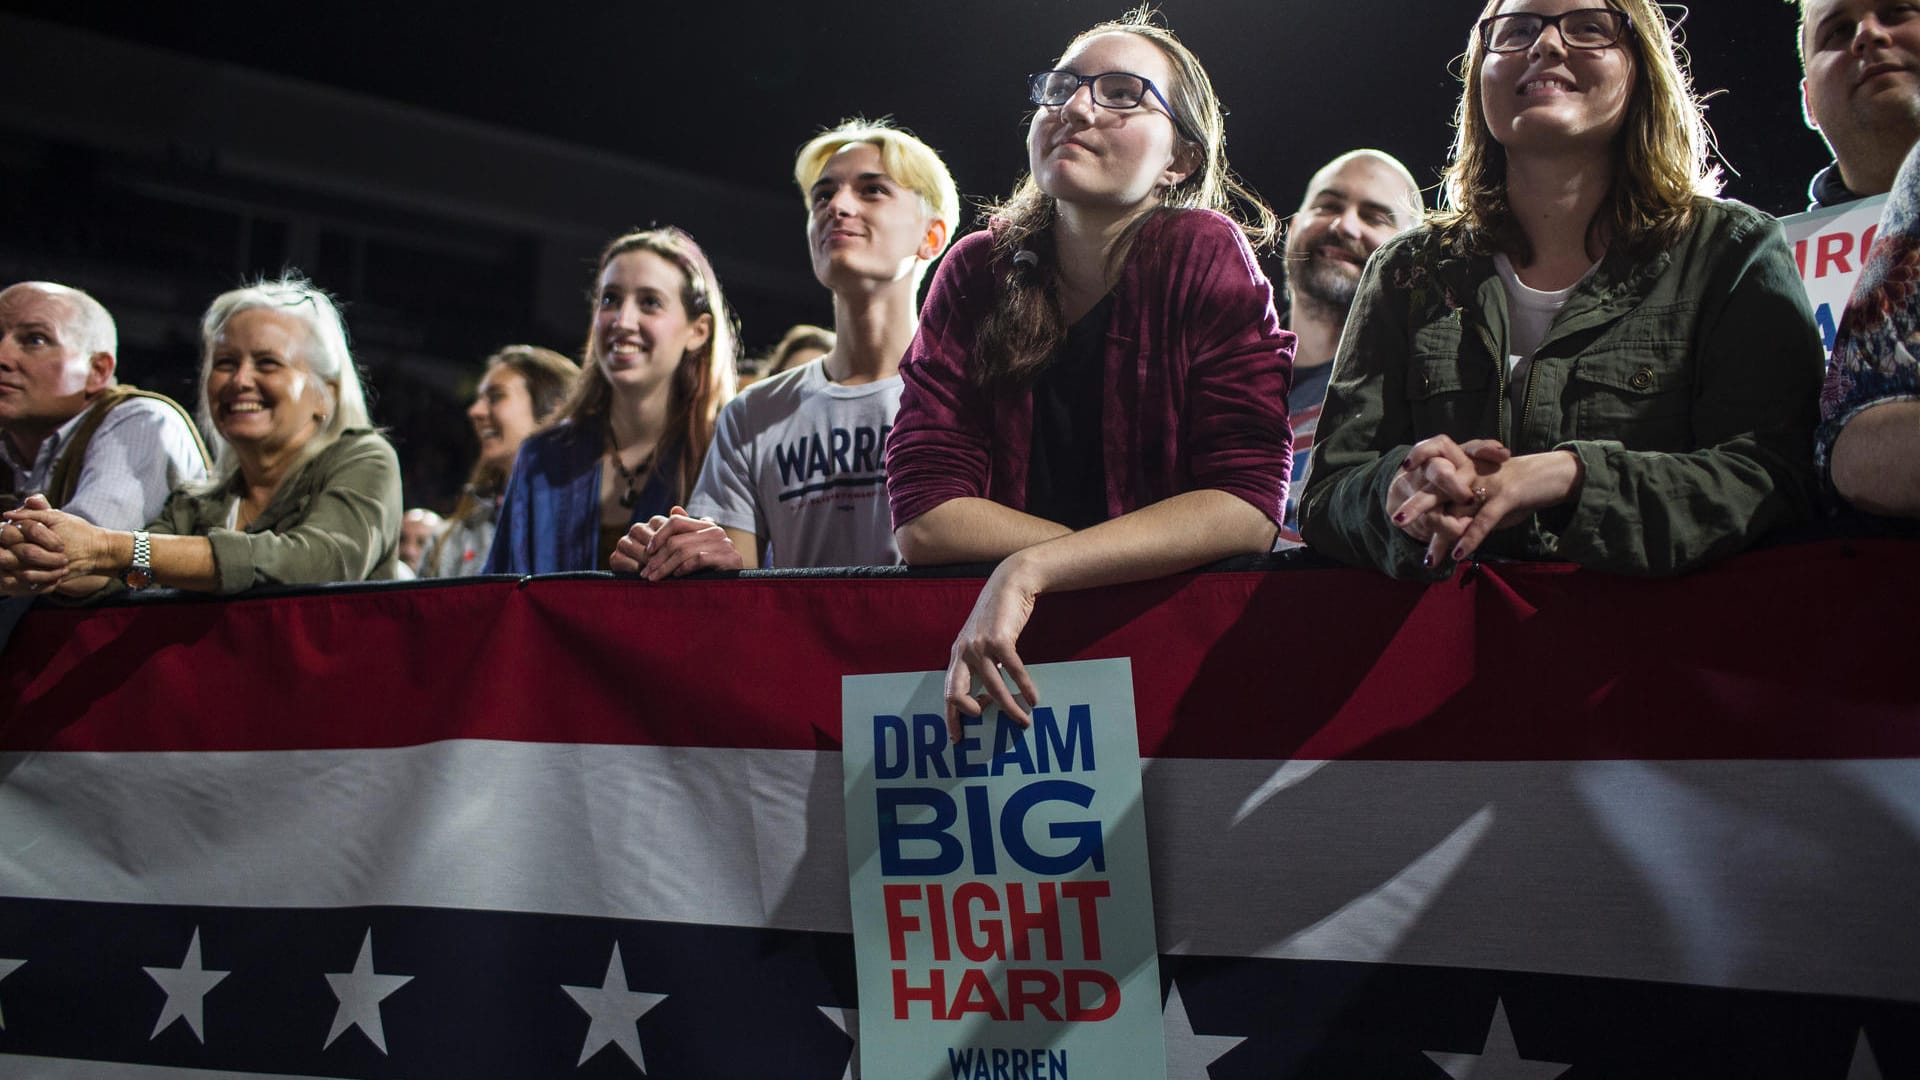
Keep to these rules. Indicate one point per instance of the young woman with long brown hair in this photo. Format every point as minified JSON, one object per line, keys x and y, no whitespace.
{"x":1585,"y":355}
{"x":629,"y":442}
{"x":1097,"y":391}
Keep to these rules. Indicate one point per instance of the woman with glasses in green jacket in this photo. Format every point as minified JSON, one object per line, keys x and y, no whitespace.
{"x":1585,"y":355}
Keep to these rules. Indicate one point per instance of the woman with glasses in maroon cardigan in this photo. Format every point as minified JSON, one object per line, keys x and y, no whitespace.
{"x":1097,"y":391}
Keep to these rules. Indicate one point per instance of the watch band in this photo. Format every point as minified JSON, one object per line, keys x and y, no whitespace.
{"x":139,"y":574}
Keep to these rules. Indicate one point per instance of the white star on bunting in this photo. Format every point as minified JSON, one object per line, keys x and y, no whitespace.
{"x":1190,"y":1055}
{"x":1865,"y":1066}
{"x":7,"y":967}
{"x":360,"y":993}
{"x":848,"y":1021}
{"x":1499,"y":1058}
{"x":186,"y":988}
{"x":615,"y":1012}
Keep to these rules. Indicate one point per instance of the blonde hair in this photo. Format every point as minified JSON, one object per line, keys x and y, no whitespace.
{"x":1026,"y":325}
{"x":705,"y":379}
{"x":1660,"y":159}
{"x":325,"y":354}
{"x":907,"y":159}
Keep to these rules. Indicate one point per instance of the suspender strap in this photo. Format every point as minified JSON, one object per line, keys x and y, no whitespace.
{"x":66,"y":472}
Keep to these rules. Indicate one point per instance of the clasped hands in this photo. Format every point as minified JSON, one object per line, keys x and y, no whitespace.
{"x":33,"y":551}
{"x":1451,"y":496}
{"x":673,"y":544}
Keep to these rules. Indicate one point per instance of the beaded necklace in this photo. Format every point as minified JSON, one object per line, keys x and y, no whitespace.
{"x":631,"y":479}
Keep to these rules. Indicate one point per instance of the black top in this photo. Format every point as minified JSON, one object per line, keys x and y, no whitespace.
{"x":1067,"y":475}
{"x":1828,"y":189}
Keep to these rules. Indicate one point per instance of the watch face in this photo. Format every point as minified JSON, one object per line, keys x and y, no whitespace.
{"x":138,"y":579}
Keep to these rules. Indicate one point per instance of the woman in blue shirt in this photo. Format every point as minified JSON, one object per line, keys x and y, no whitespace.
{"x":629,"y":442}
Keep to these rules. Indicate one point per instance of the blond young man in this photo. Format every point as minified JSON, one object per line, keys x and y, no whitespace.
{"x":796,"y":476}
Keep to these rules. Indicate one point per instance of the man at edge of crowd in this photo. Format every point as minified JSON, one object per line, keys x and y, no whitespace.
{"x":1860,"y":59}
{"x":1862,"y":92}
{"x":96,"y":448}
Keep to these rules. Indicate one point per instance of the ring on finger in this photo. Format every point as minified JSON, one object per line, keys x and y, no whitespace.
{"x":1480,"y":493}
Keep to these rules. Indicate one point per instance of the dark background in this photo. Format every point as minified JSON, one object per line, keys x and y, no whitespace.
{"x":450,"y":171}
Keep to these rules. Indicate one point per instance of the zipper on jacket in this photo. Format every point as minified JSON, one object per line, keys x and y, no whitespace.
{"x":1499,"y":380}
{"x":1526,"y":401}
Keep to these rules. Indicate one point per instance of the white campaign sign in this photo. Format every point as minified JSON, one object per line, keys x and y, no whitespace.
{"x":1002,"y":908}
{"x":1830,"y":246}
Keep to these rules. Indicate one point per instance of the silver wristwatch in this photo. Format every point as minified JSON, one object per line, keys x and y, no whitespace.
{"x":140,"y":574}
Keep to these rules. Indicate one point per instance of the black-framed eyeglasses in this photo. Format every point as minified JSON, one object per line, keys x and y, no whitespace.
{"x":1587,"y":28}
{"x":1111,"y":90}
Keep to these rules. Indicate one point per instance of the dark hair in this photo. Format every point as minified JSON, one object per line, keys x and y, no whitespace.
{"x":1026,"y":325}
{"x":705,"y":379}
{"x":548,"y":377}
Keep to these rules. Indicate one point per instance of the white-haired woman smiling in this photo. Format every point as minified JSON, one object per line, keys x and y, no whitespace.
{"x":303,"y":491}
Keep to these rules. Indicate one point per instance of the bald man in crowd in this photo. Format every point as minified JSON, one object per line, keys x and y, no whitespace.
{"x":1355,"y":203}
{"x":1862,"y":92}
{"x":97,"y":449}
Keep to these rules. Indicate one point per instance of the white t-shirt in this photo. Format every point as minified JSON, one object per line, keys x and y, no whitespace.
{"x":800,"y":462}
{"x":1530,"y":312}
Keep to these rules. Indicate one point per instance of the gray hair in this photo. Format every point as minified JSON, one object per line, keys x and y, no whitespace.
{"x":93,"y":327}
{"x":326,"y":355}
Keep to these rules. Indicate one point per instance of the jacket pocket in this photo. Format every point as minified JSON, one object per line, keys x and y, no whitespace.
{"x":1448,"y":387}
{"x":1637,"y":393}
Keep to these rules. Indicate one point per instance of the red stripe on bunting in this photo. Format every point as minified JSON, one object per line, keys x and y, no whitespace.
{"x":1801,"y":652}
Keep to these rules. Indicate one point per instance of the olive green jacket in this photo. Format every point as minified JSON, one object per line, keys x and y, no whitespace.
{"x":337,"y":518}
{"x":1687,"y":383}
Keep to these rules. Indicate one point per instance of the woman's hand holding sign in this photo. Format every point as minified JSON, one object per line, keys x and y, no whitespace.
{"x":987,"y":644}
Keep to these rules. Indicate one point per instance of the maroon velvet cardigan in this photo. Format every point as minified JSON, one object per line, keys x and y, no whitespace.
{"x":1197,"y":374}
